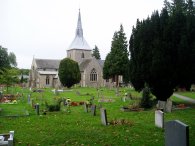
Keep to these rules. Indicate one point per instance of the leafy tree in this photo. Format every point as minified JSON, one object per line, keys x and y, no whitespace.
{"x":69,"y":72}
{"x":162,"y":50}
{"x":12,"y":59}
{"x":96,"y":53}
{"x":9,"y":77}
{"x":117,"y":60}
{"x":4,"y":59}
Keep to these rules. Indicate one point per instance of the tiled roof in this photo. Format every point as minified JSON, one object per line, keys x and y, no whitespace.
{"x":47,"y":63}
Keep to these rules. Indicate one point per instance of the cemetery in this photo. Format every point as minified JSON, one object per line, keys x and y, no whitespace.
{"x":72,"y":117}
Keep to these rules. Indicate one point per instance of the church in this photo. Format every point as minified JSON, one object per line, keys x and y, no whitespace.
{"x":44,"y":72}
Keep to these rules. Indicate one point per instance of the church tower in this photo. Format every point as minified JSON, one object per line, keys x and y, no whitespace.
{"x":79,"y":48}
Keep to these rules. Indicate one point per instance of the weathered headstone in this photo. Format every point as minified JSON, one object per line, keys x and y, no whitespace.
{"x":93,"y":110}
{"x":161,"y":105}
{"x":159,"y":118}
{"x":168,"y":106}
{"x":176,"y":134}
{"x":32,"y":103}
{"x":103,"y":116}
{"x":37,"y":109}
{"x":86,"y":107}
{"x":29,"y":99}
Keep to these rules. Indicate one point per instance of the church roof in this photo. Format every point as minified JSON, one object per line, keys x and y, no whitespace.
{"x":84,"y":63}
{"x":47,"y":63}
{"x":79,"y":41}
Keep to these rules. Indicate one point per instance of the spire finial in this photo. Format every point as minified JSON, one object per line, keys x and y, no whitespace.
{"x":79,"y":30}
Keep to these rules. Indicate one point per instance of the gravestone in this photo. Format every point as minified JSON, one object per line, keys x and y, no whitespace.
{"x":176,"y":133}
{"x":159,"y":119}
{"x":161,"y":105}
{"x":103,"y":116}
{"x":93,"y":110}
{"x":32,"y":103}
{"x":168,"y":106}
{"x":29,"y":99}
{"x":37,"y":109}
{"x":86,"y":107}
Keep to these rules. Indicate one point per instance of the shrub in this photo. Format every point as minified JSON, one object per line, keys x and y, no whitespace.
{"x":146,"y":100}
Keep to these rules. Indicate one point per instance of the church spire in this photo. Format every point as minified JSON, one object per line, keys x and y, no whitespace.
{"x":79,"y":41}
{"x":79,"y":30}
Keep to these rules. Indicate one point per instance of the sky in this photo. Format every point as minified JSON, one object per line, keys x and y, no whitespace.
{"x":45,"y":28}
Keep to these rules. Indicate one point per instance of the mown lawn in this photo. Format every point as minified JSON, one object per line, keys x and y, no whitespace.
{"x":81,"y":128}
{"x":188,"y":94}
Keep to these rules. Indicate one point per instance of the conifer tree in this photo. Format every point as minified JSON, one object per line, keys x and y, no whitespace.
{"x":96,"y":53}
{"x":116,"y":62}
{"x":162,"y":49}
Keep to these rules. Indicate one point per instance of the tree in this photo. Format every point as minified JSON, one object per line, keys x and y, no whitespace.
{"x":117,"y":60}
{"x":4,"y":59}
{"x":161,"y":50}
{"x":96,"y":53}
{"x":69,"y":72}
{"x":12,"y":59}
{"x":9,"y":77}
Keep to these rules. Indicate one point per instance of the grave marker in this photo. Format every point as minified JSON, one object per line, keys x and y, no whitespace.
{"x":159,"y":119}
{"x":93,"y":110}
{"x":103,"y":116}
{"x":176,"y":133}
{"x":86,"y":107}
{"x":168,"y":106}
{"x":28,"y":98}
{"x":37,"y":109}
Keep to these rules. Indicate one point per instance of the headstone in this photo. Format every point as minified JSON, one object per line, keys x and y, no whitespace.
{"x":176,"y":134}
{"x":86,"y":107}
{"x":168,"y":106}
{"x":159,"y":119}
{"x":32,"y":102}
{"x":103,"y":116}
{"x":37,"y":109}
{"x":29,"y":99}
{"x":93,"y":110}
{"x":161,"y":105}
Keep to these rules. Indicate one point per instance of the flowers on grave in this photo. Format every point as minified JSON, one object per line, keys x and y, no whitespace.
{"x":14,"y":102}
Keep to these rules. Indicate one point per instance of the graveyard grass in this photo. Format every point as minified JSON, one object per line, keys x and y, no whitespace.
{"x":81,"y":128}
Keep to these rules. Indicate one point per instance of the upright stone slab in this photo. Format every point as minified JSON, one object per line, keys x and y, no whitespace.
{"x":29,"y":99}
{"x":176,"y":134}
{"x":86,"y":107}
{"x":159,"y":119}
{"x":93,"y":110}
{"x":103,"y":116}
{"x":161,"y":105}
{"x":37,"y":109}
{"x":168,"y":106}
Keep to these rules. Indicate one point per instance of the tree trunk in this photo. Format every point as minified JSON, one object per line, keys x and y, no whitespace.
{"x":117,"y":85}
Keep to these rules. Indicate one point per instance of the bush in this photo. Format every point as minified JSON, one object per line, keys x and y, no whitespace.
{"x":54,"y":107}
{"x":146,"y":100}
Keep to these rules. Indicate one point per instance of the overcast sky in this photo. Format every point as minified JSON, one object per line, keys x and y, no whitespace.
{"x":46,"y":28}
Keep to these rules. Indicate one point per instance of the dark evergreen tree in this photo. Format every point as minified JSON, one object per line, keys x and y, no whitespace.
{"x":69,"y":73}
{"x":4,"y":59}
{"x":162,"y":50}
{"x":96,"y":53}
{"x":117,"y":60}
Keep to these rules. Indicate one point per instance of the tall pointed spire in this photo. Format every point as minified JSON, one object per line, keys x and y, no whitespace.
{"x":79,"y":30}
{"x":79,"y":42}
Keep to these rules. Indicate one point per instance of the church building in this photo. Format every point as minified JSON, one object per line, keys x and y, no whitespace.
{"x":44,"y":72}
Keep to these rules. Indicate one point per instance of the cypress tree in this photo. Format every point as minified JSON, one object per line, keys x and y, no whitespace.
{"x":96,"y":53}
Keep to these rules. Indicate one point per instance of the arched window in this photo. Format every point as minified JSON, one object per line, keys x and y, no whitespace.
{"x":82,"y":55}
{"x":93,"y":75}
{"x":47,"y":80}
